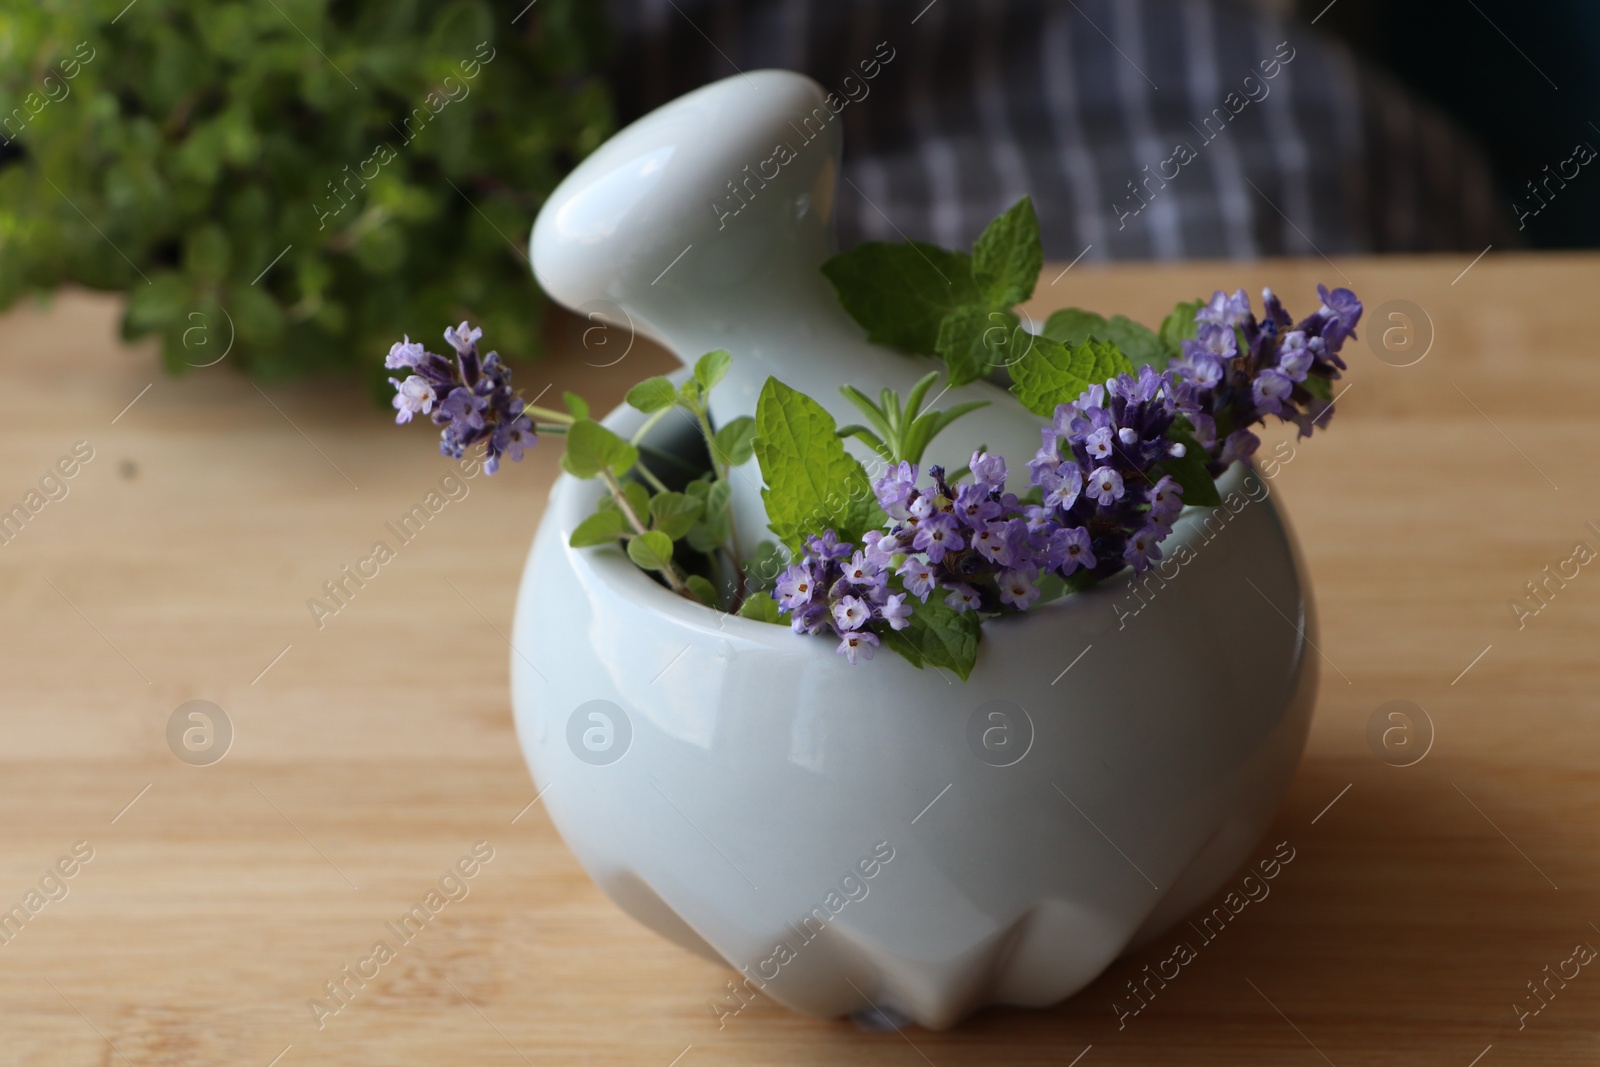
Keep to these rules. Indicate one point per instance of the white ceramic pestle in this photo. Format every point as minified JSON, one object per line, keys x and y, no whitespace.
{"x":704,"y":224}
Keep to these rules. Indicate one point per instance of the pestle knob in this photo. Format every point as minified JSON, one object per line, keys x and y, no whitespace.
{"x":705,"y":224}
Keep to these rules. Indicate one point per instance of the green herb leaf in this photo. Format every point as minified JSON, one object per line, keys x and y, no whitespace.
{"x":733,"y":442}
{"x":652,"y":395}
{"x":1073,"y":326}
{"x":973,"y":340}
{"x":1179,"y":327}
{"x":708,"y":534}
{"x":762,"y":608}
{"x":674,"y":514}
{"x":1051,"y":373}
{"x":1138,"y":342}
{"x":939,"y":635}
{"x":576,"y":404}
{"x":901,"y":292}
{"x":604,"y":527}
{"x":711,"y":368}
{"x":929,"y":425}
{"x":1199,"y":488}
{"x":813,"y":484}
{"x":652,"y":551}
{"x":1008,"y":257}
{"x":638,"y":497}
{"x":591,"y":448}
{"x":868,"y":438}
{"x":763,"y":566}
{"x":703,"y":590}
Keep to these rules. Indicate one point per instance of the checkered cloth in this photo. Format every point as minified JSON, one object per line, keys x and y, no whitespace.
{"x":1083,"y":104}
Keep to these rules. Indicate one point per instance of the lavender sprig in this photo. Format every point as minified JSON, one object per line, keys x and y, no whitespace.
{"x":470,"y":396}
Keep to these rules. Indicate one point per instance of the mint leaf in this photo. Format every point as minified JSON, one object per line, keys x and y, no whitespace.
{"x":732,"y":444}
{"x":901,"y":292}
{"x":813,"y":484}
{"x":638,"y":499}
{"x":591,"y":448}
{"x":939,"y":635}
{"x":652,"y":551}
{"x":1137,"y":341}
{"x":972,"y":341}
{"x":702,"y":589}
{"x":652,"y":395}
{"x":762,"y":567}
{"x":601,"y":528}
{"x":1051,"y":373}
{"x":1073,"y":326}
{"x":1179,"y":327}
{"x":711,"y":368}
{"x":674,"y":514}
{"x":762,"y":608}
{"x":1007,"y":258}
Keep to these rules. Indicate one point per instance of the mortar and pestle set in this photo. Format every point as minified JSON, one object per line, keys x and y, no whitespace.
{"x":875,"y":837}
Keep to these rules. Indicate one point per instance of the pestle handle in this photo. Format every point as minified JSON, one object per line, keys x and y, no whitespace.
{"x":705,"y":224}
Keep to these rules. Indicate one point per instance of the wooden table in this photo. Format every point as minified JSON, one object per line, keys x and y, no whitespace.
{"x":372,"y":753}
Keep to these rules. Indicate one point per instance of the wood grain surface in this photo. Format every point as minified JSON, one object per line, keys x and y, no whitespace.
{"x":371,"y":754}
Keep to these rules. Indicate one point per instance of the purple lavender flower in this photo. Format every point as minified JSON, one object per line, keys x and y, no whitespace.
{"x":857,"y":643}
{"x":414,"y":396}
{"x":851,"y":613}
{"x":988,"y":471}
{"x":1225,"y":310}
{"x":975,"y":505}
{"x":1166,"y":499}
{"x":470,"y":396}
{"x":894,"y":488}
{"x":1069,"y":550}
{"x":1017,"y":588}
{"x":834,"y":588}
{"x":938,"y":535}
{"x":794,"y":588}
{"x":1271,"y":389}
{"x":406,"y":353}
{"x":1279,"y":368}
{"x":1340,"y":311}
{"x":1241,"y":444}
{"x":1105,"y":486}
{"x":963,"y":598}
{"x":1144,"y":546}
{"x":918,"y":576}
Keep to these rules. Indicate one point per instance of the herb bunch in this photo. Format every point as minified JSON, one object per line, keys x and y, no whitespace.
{"x":1138,"y":423}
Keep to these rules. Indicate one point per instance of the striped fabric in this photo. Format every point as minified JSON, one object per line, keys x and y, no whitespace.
{"x":1084,"y":104}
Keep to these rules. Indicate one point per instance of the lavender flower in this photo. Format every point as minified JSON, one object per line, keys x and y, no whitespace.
{"x":1237,"y":370}
{"x":836,"y":589}
{"x":470,"y":396}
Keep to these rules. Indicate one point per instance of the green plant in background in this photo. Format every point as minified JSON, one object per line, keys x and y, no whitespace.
{"x":319,"y":174}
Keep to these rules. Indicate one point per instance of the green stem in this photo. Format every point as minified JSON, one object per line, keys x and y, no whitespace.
{"x":655,"y":483}
{"x":669,"y":572}
{"x":721,"y":470}
{"x":559,"y":417}
{"x":648,"y":425}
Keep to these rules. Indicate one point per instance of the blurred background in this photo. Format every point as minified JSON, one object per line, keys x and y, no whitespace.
{"x":383,"y":180}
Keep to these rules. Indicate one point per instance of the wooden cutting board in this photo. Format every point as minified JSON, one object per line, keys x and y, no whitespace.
{"x":374,"y":752}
